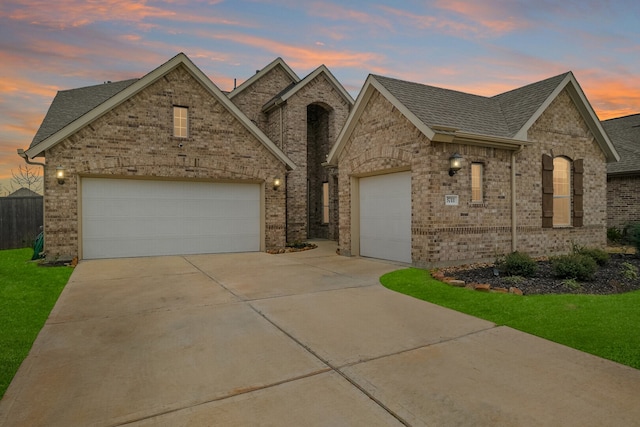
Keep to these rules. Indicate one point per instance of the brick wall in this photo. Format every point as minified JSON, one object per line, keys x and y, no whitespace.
{"x":287,"y":126}
{"x":136,"y":139}
{"x":252,"y":98}
{"x":385,"y":141}
{"x":623,"y":200}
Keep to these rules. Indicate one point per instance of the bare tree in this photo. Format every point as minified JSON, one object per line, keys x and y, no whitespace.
{"x":27,"y":177}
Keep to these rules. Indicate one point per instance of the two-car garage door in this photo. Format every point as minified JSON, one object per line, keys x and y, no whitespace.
{"x":129,"y":218}
{"x":385,"y":216}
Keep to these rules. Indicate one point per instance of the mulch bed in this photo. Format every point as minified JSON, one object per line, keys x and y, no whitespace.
{"x":609,"y":279}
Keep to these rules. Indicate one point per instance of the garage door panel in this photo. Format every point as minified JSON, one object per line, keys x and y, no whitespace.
{"x":385,"y":216}
{"x":123,"y":217}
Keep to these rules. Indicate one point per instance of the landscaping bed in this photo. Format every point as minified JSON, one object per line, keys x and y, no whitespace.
{"x":617,"y":276}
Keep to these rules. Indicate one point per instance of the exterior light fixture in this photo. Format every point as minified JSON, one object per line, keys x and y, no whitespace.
{"x":455,"y":164}
{"x":276,"y":183}
{"x":60,"y":175}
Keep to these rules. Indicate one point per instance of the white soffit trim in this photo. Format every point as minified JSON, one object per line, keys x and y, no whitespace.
{"x":257,"y":76}
{"x":587,"y":112}
{"x":147,"y":80}
{"x":320,"y":70}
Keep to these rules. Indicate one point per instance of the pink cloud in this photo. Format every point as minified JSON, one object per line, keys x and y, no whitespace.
{"x":307,"y":58}
{"x":337,"y":12}
{"x":78,"y":13}
{"x":496,"y":17}
{"x":429,"y":22}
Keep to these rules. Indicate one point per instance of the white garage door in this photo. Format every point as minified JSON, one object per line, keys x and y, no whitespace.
{"x":130,"y":218}
{"x":385,"y":216}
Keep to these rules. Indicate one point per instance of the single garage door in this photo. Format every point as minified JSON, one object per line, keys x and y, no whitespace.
{"x":131,"y":218}
{"x":385,"y":216}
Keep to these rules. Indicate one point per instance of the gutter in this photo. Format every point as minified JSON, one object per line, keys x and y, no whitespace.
{"x":22,"y":154}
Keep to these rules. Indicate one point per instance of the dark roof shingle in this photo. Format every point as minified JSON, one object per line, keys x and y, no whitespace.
{"x":69,"y":105}
{"x":502,"y":115}
{"x":624,"y":133}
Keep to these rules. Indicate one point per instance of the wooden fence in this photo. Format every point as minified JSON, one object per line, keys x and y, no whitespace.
{"x":20,"y":221}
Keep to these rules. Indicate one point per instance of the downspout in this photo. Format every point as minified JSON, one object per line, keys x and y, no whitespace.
{"x":514,"y":222}
{"x":22,"y":154}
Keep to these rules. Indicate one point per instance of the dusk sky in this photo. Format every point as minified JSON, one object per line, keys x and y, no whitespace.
{"x":483,"y":47}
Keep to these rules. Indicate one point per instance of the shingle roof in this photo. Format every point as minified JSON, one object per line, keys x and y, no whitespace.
{"x":624,"y":133}
{"x":501,"y":115}
{"x":24,"y":192}
{"x":519,"y":105}
{"x":69,"y":105}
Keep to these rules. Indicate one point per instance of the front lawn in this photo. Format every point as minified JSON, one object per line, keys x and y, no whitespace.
{"x":27,"y":295}
{"x":604,"y":325}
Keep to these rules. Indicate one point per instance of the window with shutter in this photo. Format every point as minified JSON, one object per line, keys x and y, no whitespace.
{"x":559,"y":176}
{"x":561,"y":192}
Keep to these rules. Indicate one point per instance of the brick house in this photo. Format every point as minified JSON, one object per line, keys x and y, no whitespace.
{"x":623,"y":178}
{"x":170,"y":164}
{"x":303,"y":117}
{"x":532,"y":172}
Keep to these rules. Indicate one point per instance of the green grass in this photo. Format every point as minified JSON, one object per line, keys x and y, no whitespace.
{"x":605,"y":325}
{"x":27,"y":295}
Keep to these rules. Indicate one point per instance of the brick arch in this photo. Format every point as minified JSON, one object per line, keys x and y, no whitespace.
{"x":322,"y":104}
{"x":381,"y":157}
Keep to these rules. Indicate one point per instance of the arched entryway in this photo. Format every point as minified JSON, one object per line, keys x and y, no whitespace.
{"x":321,"y":186}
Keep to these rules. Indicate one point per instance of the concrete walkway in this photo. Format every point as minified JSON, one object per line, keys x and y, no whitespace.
{"x":307,"y":338}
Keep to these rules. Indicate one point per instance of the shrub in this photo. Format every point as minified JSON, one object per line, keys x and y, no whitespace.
{"x":629,"y":271}
{"x":518,"y":264}
{"x":574,"y":266}
{"x":598,"y":255}
{"x":633,"y":234}
{"x":614,"y":234}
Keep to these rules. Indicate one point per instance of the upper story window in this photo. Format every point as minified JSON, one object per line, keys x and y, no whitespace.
{"x":477,"y":172}
{"x":180,"y":122}
{"x":561,"y":192}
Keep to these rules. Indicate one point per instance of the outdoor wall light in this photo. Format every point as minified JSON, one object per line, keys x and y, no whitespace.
{"x":276,"y":183}
{"x":60,"y":175}
{"x":455,"y":164}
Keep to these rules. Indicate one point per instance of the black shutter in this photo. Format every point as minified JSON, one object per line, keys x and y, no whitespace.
{"x":547,"y":191}
{"x":578,"y":191}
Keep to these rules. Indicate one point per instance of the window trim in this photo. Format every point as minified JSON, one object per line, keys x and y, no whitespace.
{"x":480,"y":187}
{"x":326,"y":200}
{"x":565,"y":198}
{"x":177,"y":128}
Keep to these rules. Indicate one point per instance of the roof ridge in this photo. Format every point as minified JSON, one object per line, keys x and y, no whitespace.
{"x":432,"y":86}
{"x":628,"y":116}
{"x":109,"y":82}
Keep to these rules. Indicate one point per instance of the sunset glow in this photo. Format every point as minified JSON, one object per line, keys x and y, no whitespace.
{"x":483,"y":46}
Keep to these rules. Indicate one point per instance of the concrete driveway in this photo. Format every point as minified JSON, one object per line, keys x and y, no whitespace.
{"x":307,"y":338}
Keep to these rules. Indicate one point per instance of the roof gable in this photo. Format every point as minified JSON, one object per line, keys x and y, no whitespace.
{"x":451,"y":116}
{"x":292,"y":89}
{"x":278,"y":62}
{"x":70,"y":104}
{"x":520,"y":104}
{"x":624,"y":133}
{"x":140,"y":84}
